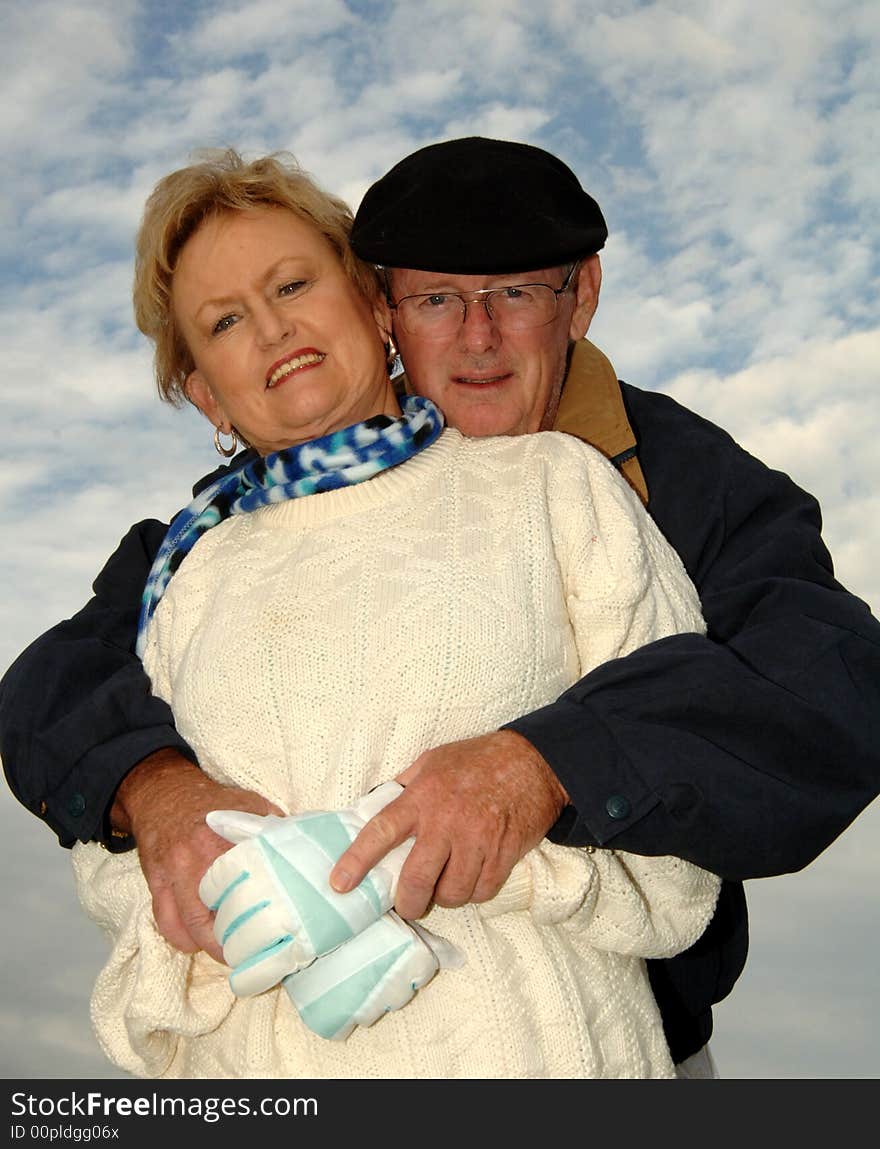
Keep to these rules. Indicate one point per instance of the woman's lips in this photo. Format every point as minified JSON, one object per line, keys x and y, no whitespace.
{"x":299,"y":361}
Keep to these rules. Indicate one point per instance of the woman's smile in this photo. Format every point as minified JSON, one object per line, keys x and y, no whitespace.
{"x":298,"y":361}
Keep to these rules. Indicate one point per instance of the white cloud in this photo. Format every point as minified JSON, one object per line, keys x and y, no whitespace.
{"x":57,"y":60}
{"x":263,"y":26}
{"x":751,"y":153}
{"x":813,"y":414}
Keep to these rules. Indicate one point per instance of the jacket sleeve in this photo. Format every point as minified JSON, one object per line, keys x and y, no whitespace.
{"x":749,"y":749}
{"x":76,"y":710}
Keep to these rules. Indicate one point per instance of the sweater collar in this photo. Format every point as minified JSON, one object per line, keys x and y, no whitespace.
{"x":342,"y":458}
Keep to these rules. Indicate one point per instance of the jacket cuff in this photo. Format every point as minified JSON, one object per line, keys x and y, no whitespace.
{"x":79,"y":809}
{"x":606,"y":794}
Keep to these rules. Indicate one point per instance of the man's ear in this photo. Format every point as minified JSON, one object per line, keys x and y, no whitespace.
{"x":382,"y":316}
{"x":200,"y":395}
{"x":589,"y":280}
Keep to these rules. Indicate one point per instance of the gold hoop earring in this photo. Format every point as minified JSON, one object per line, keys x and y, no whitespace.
{"x":226,"y":452}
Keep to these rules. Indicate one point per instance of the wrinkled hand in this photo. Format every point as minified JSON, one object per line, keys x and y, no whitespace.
{"x":275,"y":912}
{"x":163,"y":802}
{"x":475,"y":808}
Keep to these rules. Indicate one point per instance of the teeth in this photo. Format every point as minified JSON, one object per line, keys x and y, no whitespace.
{"x":292,"y":365}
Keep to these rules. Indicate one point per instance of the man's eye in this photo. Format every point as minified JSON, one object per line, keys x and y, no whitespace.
{"x":430,"y":302}
{"x":223,"y":324}
{"x":515,"y":293}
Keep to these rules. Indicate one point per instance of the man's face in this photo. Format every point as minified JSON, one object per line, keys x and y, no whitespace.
{"x":485,"y":379}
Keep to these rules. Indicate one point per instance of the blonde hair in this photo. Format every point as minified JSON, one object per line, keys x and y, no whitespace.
{"x":219,"y":182}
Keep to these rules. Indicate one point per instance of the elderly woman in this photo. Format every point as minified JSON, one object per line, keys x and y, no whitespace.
{"x":366,"y":585}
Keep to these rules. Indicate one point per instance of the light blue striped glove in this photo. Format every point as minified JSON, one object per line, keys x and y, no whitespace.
{"x":275,"y":909}
{"x":378,"y":971}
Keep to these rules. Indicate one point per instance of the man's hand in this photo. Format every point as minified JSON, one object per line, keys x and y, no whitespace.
{"x":162,"y":802}
{"x":475,"y":808}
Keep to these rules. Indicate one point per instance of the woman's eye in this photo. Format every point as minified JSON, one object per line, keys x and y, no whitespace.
{"x":223,"y":324}
{"x":291,"y":288}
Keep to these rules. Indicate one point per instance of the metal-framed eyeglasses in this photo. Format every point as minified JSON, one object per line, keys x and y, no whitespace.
{"x":514,"y":307}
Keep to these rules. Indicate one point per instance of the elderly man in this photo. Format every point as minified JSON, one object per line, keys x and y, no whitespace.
{"x":747,"y":751}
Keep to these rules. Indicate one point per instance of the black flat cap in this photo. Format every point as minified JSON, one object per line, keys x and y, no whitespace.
{"x":477,"y":206}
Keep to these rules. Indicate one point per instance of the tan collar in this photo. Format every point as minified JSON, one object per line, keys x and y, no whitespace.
{"x":591,"y":407}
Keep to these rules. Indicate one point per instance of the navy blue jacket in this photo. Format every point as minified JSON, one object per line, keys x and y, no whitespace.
{"x":747,"y":751}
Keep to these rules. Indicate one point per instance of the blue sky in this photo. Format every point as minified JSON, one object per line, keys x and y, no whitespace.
{"x":733,"y":147}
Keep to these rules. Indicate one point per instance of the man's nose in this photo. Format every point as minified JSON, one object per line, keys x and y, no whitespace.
{"x":479,"y":331}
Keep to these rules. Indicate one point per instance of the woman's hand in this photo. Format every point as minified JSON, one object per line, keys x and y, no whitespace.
{"x":275,"y":912}
{"x":162,"y":802}
{"x":475,"y":808}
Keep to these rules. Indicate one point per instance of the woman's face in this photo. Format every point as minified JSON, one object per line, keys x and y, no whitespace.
{"x":285,"y":346}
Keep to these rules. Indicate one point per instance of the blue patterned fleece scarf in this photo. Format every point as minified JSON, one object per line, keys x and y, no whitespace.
{"x":340,"y":459}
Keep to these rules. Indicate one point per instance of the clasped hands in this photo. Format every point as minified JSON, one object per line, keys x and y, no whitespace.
{"x":344,"y":959}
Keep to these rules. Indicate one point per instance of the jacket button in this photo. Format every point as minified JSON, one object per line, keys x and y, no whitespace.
{"x":617,"y":806}
{"x":76,"y":805}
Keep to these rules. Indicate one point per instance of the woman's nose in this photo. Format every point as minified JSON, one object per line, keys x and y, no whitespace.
{"x":273,"y":324}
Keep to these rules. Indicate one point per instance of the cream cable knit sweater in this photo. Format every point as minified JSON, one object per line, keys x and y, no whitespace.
{"x":313,"y":649}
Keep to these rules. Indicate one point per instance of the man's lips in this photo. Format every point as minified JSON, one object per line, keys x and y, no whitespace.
{"x":482,"y":380}
{"x":299,"y":360}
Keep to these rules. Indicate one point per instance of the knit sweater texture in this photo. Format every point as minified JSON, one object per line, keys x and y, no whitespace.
{"x":315,"y":648}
